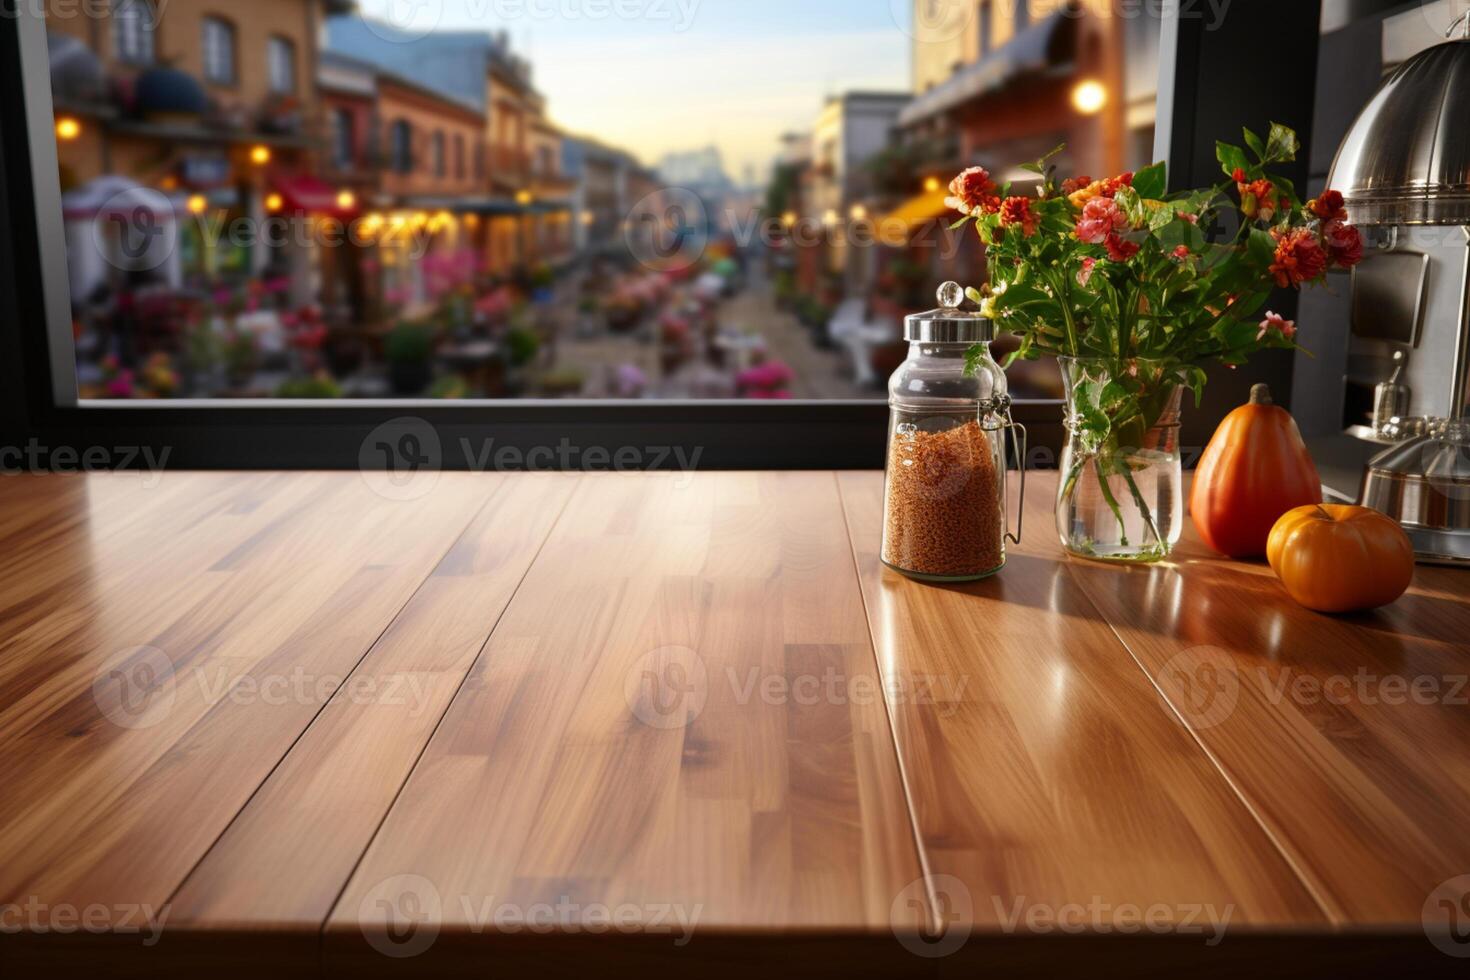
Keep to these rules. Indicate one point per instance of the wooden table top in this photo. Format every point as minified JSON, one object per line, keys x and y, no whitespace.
{"x":561,"y":722}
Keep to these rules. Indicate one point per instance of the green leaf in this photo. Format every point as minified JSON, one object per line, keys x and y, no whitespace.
{"x":974,"y":357}
{"x":1230,"y":158}
{"x":1151,"y":181}
{"x":1261,"y":248}
{"x":1256,"y":146}
{"x":1282,"y":144}
{"x":974,"y":295}
{"x":1195,"y":378}
{"x":960,"y":223}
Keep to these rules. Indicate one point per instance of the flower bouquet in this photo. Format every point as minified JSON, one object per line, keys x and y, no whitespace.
{"x":1132,"y":288}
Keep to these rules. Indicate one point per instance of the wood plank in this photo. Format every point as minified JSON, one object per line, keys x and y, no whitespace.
{"x":240,"y":601}
{"x":613,"y":746}
{"x":1348,"y":735}
{"x":337,"y":783}
{"x":1043,"y":767}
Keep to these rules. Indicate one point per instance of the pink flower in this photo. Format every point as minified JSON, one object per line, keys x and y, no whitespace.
{"x":1277,"y":323}
{"x":1191,"y":218}
{"x":973,"y":192}
{"x":1101,"y":217}
{"x":1084,"y":274}
{"x":1120,"y":249}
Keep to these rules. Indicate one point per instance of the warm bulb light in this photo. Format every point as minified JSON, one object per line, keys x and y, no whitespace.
{"x":829,"y":217}
{"x":273,"y":202}
{"x":260,"y":155}
{"x":68,"y":128}
{"x":197,"y":204}
{"x":588,"y":217}
{"x":523,"y":198}
{"x":931,"y":184}
{"x":346,"y":200}
{"x":1089,"y":97}
{"x":788,"y":219}
{"x":858,"y":212}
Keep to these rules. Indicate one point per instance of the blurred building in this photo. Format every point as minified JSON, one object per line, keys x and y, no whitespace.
{"x":204,"y":118}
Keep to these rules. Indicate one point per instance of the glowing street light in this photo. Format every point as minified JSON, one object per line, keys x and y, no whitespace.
{"x":858,"y":212}
{"x":67,"y":128}
{"x":931,"y":184}
{"x":273,"y":202}
{"x":197,"y":203}
{"x":260,"y":155}
{"x":523,"y":198}
{"x":346,"y":200}
{"x":1089,"y":97}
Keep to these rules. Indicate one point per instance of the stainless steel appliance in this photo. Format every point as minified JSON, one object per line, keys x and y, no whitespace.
{"x":1404,"y":172}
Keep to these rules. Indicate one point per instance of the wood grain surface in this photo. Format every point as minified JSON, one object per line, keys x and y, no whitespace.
{"x":320,"y":727}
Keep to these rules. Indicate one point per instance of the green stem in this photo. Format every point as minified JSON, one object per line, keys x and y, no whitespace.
{"x":1107,"y":492}
{"x":1148,"y":517}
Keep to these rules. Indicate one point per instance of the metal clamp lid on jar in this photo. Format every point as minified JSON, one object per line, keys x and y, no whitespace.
{"x":948,"y":324}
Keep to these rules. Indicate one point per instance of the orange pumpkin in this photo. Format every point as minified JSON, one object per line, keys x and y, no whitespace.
{"x":1255,"y":469}
{"x":1336,"y":558}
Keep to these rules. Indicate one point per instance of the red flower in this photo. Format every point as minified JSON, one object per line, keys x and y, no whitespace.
{"x":1120,"y":249}
{"x":1299,"y":257}
{"x":1017,"y":211}
{"x":1072,"y":185}
{"x":1328,"y":206}
{"x":1084,"y":274}
{"x":973,"y":192}
{"x":1257,"y":199}
{"x":1344,"y":243}
{"x":1182,"y":252}
{"x":1238,"y":176}
{"x":1100,"y":218}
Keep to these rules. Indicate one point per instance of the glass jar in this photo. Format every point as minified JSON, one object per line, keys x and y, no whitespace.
{"x":944,"y":496}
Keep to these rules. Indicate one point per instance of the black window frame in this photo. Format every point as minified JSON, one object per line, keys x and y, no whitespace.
{"x":37,"y":377}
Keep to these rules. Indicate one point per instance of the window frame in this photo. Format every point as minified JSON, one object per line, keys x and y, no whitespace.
{"x":38,"y":394}
{"x":400,"y":146}
{"x":344,"y":139}
{"x":147,"y":31}
{"x":279,"y":43}
{"x":231,"y":48}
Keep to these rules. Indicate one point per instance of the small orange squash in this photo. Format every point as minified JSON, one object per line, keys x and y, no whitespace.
{"x":1336,"y":558}
{"x":1255,"y":469}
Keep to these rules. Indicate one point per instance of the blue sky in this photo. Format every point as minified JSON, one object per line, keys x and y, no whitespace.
{"x":686,"y":73}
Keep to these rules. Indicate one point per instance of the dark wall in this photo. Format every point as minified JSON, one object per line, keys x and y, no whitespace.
{"x":1255,"y":66}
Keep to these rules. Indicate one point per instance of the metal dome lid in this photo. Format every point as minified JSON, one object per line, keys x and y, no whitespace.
{"x":948,"y":324}
{"x":1406,"y":159}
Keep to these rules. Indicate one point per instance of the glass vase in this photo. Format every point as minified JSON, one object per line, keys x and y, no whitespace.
{"x":1119,"y":497}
